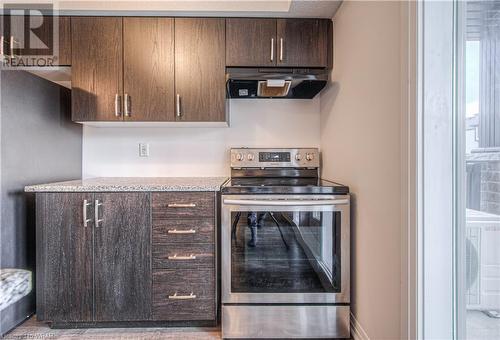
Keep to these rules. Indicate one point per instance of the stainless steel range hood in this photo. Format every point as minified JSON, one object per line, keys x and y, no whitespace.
{"x":296,"y":83}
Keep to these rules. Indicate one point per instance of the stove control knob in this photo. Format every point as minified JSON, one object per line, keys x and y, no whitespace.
{"x":250,"y":157}
{"x":298,"y":157}
{"x":239,"y":156}
{"x":310,"y":156}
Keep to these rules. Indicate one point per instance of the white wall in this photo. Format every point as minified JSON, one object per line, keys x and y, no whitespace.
{"x":201,"y":151}
{"x":360,"y":139}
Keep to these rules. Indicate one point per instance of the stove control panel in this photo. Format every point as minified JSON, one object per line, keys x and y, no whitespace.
{"x":274,"y":158}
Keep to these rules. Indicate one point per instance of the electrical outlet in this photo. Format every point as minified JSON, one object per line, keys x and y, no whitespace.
{"x":143,"y":150}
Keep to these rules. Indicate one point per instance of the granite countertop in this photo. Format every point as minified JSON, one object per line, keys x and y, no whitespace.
{"x":114,"y":184}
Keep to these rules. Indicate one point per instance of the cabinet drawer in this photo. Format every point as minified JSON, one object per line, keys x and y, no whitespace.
{"x":174,"y":231}
{"x":183,"y":205}
{"x":183,"y":255}
{"x":183,"y":295}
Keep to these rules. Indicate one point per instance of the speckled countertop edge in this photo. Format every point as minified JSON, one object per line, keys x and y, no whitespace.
{"x":127,"y":184}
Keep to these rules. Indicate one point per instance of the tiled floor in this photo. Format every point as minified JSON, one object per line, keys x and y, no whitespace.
{"x":481,"y":326}
{"x":32,"y":329}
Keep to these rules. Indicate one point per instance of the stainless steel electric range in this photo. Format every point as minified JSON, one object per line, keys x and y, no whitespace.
{"x":285,"y":247}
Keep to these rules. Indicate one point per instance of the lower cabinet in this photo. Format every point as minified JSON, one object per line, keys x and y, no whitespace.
{"x":184,"y":256}
{"x":114,"y":257}
{"x":122,"y":253}
{"x":64,"y":263}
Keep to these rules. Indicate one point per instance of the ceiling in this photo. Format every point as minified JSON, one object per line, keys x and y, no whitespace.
{"x":226,"y":8}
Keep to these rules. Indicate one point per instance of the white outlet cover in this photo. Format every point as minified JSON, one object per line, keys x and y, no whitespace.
{"x":143,"y":150}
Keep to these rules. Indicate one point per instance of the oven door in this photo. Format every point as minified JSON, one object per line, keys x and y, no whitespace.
{"x":285,"y":248}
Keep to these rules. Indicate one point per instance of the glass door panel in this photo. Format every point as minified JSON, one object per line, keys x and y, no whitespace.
{"x":275,"y":251}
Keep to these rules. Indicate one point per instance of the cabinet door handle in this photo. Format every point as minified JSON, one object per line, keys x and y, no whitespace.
{"x":96,"y":213}
{"x":182,"y":258}
{"x":281,"y":49}
{"x":272,"y":49}
{"x":128,"y":105}
{"x":12,"y":41}
{"x":85,"y":219}
{"x":181,"y":205}
{"x":182,"y":297}
{"x":178,"y":106}
{"x":175,"y":231}
{"x":2,"y":42}
{"x":118,"y":105}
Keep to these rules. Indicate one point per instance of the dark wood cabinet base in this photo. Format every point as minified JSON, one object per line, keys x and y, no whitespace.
{"x":132,"y":324}
{"x":101,"y":264}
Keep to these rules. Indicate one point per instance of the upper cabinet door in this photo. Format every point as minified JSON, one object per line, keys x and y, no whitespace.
{"x":97,"y":68}
{"x":251,"y":42}
{"x":303,"y":42}
{"x":200,"y":69}
{"x":148,"y":57}
{"x":64,"y":57}
{"x":122,"y":257}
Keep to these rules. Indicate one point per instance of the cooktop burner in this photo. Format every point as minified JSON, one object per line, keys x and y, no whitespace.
{"x":282,"y":186}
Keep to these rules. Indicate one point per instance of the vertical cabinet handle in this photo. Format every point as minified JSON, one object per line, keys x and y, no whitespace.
{"x":85,"y":219}
{"x":128,"y":105}
{"x":12,"y":41}
{"x":96,"y":213}
{"x":178,"y":105}
{"x":272,"y":49}
{"x":118,"y":105}
{"x":281,"y":49}
{"x":2,"y":42}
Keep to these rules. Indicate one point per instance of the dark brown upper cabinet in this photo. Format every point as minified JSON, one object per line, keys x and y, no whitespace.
{"x":64,"y":58}
{"x":19,"y":40}
{"x":97,"y":68}
{"x":304,"y":42}
{"x":148,"y":69}
{"x":200,"y":69}
{"x":251,"y":42}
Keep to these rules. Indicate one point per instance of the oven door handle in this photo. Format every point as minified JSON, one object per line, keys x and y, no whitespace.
{"x":285,"y":203}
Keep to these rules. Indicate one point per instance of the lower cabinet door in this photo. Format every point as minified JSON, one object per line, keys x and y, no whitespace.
{"x":64,"y":257}
{"x":122,"y":270}
{"x":184,"y":295}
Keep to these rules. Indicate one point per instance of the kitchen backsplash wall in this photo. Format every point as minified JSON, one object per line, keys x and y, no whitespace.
{"x":182,"y":151}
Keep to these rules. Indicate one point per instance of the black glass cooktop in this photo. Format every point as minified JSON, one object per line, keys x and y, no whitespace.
{"x":282,"y":185}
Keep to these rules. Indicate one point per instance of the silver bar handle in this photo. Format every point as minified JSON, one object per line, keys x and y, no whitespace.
{"x":285,"y":203}
{"x":175,"y":231}
{"x":178,"y":105}
{"x":12,"y":41}
{"x":85,"y":219}
{"x":281,"y":49}
{"x":118,"y":105}
{"x":181,"y":205}
{"x":128,"y":111}
{"x":272,"y":49}
{"x":96,"y":213}
{"x":181,"y":258}
{"x":2,"y":42}
{"x":182,"y":297}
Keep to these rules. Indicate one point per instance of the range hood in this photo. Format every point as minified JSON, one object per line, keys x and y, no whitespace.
{"x":296,"y":83}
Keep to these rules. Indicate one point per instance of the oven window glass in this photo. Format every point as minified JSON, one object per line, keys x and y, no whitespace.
{"x":285,"y":252}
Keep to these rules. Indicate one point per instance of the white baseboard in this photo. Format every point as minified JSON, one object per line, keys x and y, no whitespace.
{"x":357,"y":332}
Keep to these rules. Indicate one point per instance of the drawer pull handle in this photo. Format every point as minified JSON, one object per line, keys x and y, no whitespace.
{"x":175,"y":231}
{"x":175,"y":257}
{"x":181,"y":205}
{"x":182,"y":297}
